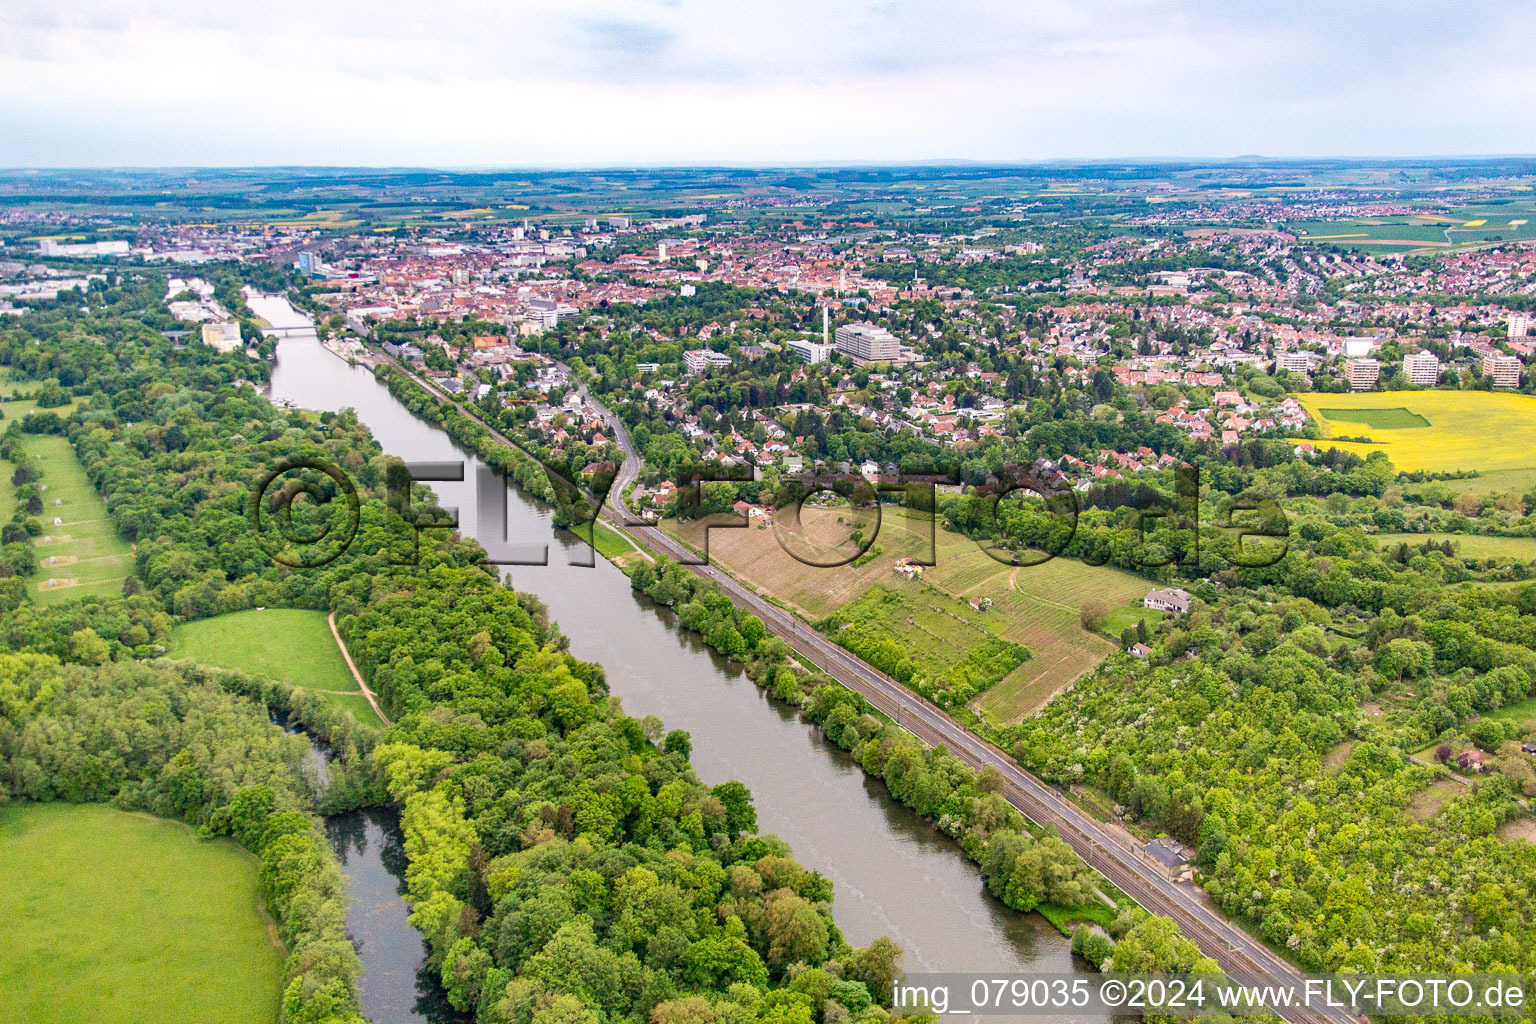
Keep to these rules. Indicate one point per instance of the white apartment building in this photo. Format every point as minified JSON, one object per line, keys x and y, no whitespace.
{"x":866,"y":343}
{"x":700,"y":359}
{"x":1503,"y":370}
{"x":1422,"y":368}
{"x":1363,"y":374}
{"x":1519,"y":325}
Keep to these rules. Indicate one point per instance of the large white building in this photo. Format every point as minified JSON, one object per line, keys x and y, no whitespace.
{"x":866,"y":343}
{"x":51,"y":247}
{"x":1519,"y":325}
{"x":1504,"y":370}
{"x":1295,"y":362}
{"x":1422,"y":368}
{"x":700,"y":359}
{"x":809,"y":351}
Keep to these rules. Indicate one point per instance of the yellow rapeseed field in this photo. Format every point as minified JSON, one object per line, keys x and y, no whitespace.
{"x":1468,"y":430}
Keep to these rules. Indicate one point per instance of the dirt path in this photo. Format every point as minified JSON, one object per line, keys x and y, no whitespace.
{"x":330,"y":620}
{"x":631,"y":542}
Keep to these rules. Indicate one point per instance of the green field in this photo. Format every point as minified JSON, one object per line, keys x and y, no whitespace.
{"x":118,"y":918}
{"x":1041,"y":606}
{"x":1501,"y":481}
{"x":942,"y":638}
{"x":1385,"y":419}
{"x":13,"y":411}
{"x":293,"y":644}
{"x":1519,"y":549}
{"x":79,"y":553}
{"x":9,"y":384}
{"x":615,"y":546}
{"x":1519,"y":712}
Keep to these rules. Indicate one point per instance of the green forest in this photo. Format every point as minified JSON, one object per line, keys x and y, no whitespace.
{"x":565,"y":862}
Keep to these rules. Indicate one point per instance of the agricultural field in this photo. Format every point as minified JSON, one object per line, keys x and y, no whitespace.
{"x":914,"y":631}
{"x":1517,"y":549}
{"x":79,"y":553}
{"x":1506,"y":222}
{"x":1041,"y":606}
{"x":293,"y":644}
{"x":1485,"y":431}
{"x":1382,"y":419}
{"x":119,"y":918}
{"x":1038,"y":606}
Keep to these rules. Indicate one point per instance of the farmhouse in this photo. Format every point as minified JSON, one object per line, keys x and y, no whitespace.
{"x":1175,"y":601}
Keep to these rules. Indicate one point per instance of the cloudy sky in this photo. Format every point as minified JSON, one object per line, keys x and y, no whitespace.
{"x":602,"y":82}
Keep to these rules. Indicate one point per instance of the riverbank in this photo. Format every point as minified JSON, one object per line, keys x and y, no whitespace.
{"x":1113,"y":855}
{"x":878,"y":853}
{"x":1100,"y":905}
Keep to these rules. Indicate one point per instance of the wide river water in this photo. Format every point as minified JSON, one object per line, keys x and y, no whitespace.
{"x":894,"y":875}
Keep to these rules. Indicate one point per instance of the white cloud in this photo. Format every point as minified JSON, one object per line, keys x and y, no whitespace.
{"x":655,"y":81}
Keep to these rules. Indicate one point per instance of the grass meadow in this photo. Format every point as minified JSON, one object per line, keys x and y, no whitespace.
{"x":293,"y":644}
{"x":1486,"y":431}
{"x":1518,"y":549}
{"x":119,"y":918}
{"x":1037,"y":606}
{"x":13,"y":411}
{"x":79,"y":553}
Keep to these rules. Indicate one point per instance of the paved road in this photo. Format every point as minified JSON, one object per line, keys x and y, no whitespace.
{"x":629,"y":470}
{"x":1232,"y":948}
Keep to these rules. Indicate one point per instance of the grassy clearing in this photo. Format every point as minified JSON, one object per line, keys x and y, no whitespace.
{"x":1428,"y":802}
{"x":1518,"y":830}
{"x":1383,"y":419}
{"x":11,"y":384}
{"x":1468,"y":430}
{"x":1037,"y":606}
{"x":615,"y":546}
{"x":1041,"y":607}
{"x":294,"y":644}
{"x":1502,"y":481}
{"x":1520,"y":549}
{"x":1066,"y":919}
{"x":117,"y":918}
{"x":1335,"y":758}
{"x":1519,"y":712}
{"x":79,"y":553}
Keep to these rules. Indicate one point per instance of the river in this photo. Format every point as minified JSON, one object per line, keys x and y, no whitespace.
{"x":894,"y":875}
